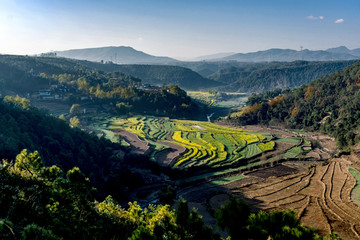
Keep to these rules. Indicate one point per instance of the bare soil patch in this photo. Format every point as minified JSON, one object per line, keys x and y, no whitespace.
{"x":198,"y":127}
{"x":276,"y":171}
{"x":167,"y":156}
{"x":137,"y":145}
{"x":53,"y":106}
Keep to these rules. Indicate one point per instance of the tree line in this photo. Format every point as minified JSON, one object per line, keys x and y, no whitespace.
{"x":330,"y":104}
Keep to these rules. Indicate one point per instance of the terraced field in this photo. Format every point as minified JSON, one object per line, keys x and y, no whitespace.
{"x":321,"y":196}
{"x":205,"y":143}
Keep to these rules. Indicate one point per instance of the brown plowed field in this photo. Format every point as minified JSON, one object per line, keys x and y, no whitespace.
{"x":320,"y":196}
{"x":137,"y":145}
{"x":167,"y":156}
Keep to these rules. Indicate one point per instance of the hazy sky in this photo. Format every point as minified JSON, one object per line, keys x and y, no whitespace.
{"x":178,"y":28}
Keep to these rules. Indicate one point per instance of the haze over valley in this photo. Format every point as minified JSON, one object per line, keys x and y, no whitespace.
{"x":179,"y":120}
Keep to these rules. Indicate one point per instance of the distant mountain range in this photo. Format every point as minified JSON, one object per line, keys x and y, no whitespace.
{"x":119,"y":55}
{"x":289,"y":55}
{"x":128,"y":55}
{"x":345,"y":50}
{"x":213,"y":56}
{"x":244,"y":72}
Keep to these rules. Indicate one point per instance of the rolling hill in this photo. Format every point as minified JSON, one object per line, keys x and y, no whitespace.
{"x":345,"y":50}
{"x":288,"y":55}
{"x":258,"y":77}
{"x":22,"y":73}
{"x":330,"y":104}
{"x":120,"y":55}
{"x":160,"y":74}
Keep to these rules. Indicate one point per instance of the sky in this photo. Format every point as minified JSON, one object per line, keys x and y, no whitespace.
{"x":181,"y":29}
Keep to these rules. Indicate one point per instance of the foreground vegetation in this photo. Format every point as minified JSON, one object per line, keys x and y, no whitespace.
{"x":23,"y":126}
{"x":37,"y":202}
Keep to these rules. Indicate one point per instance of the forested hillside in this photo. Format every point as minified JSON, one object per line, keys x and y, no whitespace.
{"x":73,"y":80}
{"x":259,"y":77}
{"x":160,"y":74}
{"x":27,"y":69}
{"x":25,"y":127}
{"x":330,"y":104}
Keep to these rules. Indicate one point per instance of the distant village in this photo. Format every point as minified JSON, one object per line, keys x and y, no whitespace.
{"x":62,"y":92}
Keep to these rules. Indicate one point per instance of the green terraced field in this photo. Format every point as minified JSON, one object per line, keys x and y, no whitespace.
{"x":355,"y":194}
{"x":206,"y":143}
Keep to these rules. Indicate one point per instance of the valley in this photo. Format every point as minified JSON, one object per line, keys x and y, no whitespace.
{"x":286,"y":171}
{"x":271,"y":168}
{"x":316,"y":186}
{"x":162,"y":144}
{"x":179,"y":120}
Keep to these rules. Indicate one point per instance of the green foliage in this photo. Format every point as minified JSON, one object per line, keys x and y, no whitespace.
{"x":265,"y":96}
{"x":123,"y":108}
{"x":175,"y":90}
{"x":329,"y":104}
{"x":17,"y":101}
{"x":355,"y":193}
{"x":54,"y":207}
{"x":83,"y":84}
{"x":235,"y":217}
{"x":35,"y":232}
{"x":6,"y":229}
{"x":75,"y":122}
{"x":78,"y":79}
{"x":65,"y":208}
{"x":29,"y":164}
{"x":167,"y":194}
{"x":75,"y":109}
{"x":262,"y":77}
{"x":62,"y":117}
{"x":279,"y":225}
{"x":59,"y":144}
{"x":159,"y":74}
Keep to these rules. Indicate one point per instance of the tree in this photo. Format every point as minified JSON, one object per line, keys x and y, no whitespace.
{"x":62,"y":117}
{"x":6,"y":229}
{"x":29,"y":164}
{"x":233,"y":217}
{"x":74,"y":122}
{"x":17,"y":101}
{"x":33,"y":231}
{"x":75,"y":109}
{"x":174,"y":89}
{"x":83,"y":84}
{"x":167,"y":194}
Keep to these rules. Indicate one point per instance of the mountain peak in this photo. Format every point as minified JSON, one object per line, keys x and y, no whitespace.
{"x":341,"y":49}
{"x":116,"y":54}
